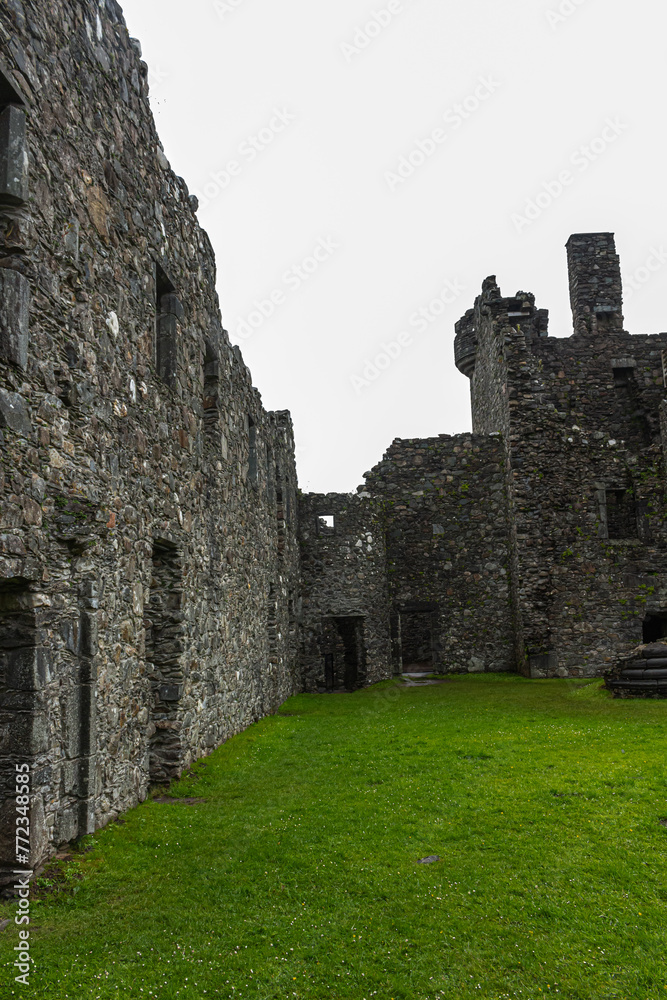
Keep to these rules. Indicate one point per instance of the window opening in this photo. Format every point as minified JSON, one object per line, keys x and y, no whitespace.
{"x":623,"y":377}
{"x":272,"y":624}
{"x":253,"y":470}
{"x":211,"y":390}
{"x":621,"y":514}
{"x":270,"y":483}
{"x":281,"y":512}
{"x":13,"y":146}
{"x":169,"y":312}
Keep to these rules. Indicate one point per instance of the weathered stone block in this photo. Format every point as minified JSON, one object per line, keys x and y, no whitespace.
{"x":172,"y":305}
{"x":69,"y":777}
{"x":170,"y":692}
{"x":166,"y":346}
{"x":86,"y":817}
{"x":67,"y":824}
{"x":73,"y":723}
{"x":13,"y":157}
{"x":14,"y":317}
{"x":543,"y":665}
{"x":86,"y":777}
{"x":9,"y":90}
{"x":27,"y":669}
{"x":24,"y":735}
{"x":88,"y":634}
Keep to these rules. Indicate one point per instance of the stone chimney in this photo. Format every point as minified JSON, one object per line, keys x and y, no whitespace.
{"x":596,"y":292}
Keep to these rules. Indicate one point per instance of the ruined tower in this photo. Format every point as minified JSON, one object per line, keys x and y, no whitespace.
{"x":579,"y":418}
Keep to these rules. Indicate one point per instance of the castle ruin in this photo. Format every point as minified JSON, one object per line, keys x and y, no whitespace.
{"x":163,"y":583}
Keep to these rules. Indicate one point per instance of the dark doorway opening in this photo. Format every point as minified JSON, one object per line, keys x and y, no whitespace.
{"x":395,"y":628}
{"x":329,"y":671}
{"x":344,"y":653}
{"x":655,"y":627}
{"x":418,"y":641}
{"x":20,"y":682}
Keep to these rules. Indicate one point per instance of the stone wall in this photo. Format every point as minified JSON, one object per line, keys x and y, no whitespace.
{"x":538,"y":543}
{"x":444,"y":507}
{"x":148,"y":551}
{"x":162,"y":582}
{"x":345,"y":605}
{"x":580,"y":419}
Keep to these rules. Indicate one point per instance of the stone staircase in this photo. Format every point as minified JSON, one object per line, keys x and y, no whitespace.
{"x":642,"y":674}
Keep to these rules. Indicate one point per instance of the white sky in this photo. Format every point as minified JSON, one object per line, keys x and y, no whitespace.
{"x":219,"y":72}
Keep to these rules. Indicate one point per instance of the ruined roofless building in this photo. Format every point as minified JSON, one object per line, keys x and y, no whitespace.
{"x":538,"y":542}
{"x":163,"y":584}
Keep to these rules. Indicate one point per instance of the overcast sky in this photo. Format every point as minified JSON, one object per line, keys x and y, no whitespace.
{"x":367,"y":165}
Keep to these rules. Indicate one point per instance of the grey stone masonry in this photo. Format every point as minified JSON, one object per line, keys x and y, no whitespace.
{"x":149,"y":566}
{"x":163,"y":582}
{"x":14,"y":317}
{"x":596,"y":291}
{"x":345,"y":605}
{"x":14,"y":413}
{"x":13,"y":156}
{"x":580,"y":421}
{"x":444,"y":508}
{"x":420,"y":555}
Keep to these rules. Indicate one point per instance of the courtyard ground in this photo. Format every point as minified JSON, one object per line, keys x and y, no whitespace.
{"x":298,"y":874}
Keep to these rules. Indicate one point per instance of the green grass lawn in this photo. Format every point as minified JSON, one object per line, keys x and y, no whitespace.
{"x":298,"y":875}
